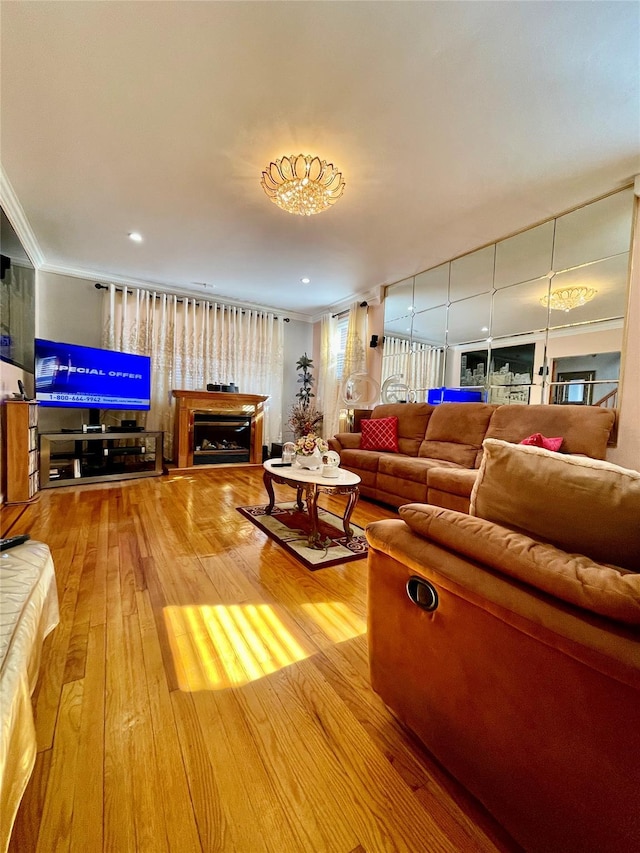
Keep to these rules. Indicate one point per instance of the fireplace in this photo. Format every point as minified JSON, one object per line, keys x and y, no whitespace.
{"x":216,"y":427}
{"x":219,"y":439}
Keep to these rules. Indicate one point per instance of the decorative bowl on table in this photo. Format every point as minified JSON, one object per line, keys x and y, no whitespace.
{"x":309,"y":450}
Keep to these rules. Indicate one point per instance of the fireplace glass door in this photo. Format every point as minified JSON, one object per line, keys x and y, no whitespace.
{"x":220,"y":439}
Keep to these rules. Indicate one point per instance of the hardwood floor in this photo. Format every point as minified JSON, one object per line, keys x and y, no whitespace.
{"x":205,"y":692}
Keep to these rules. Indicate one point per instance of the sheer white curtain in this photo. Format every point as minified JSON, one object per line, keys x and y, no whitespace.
{"x":328,"y":381}
{"x":192,"y":343}
{"x":420,"y":365}
{"x":336,"y":363}
{"x":355,"y":354}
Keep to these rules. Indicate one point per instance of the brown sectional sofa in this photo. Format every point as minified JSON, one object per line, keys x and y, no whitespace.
{"x":508,"y":640}
{"x":440,"y":447}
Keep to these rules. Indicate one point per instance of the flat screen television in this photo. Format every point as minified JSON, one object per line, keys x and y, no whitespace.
{"x":78,"y":377}
{"x":453,"y":395}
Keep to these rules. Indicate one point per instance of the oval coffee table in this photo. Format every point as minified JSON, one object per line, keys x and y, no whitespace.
{"x":312,"y":483}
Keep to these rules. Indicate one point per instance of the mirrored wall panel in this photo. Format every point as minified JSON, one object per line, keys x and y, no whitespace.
{"x":512,"y":319}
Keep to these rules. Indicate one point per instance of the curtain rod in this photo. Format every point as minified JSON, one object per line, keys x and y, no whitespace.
{"x":99,"y":286}
{"x":346,"y":311}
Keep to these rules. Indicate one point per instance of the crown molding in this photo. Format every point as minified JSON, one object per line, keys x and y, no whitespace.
{"x":175,"y":290}
{"x":17,"y":217}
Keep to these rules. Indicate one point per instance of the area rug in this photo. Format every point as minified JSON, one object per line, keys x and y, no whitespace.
{"x":290,"y":528}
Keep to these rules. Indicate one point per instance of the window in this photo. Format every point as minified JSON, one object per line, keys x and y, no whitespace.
{"x":340,"y":344}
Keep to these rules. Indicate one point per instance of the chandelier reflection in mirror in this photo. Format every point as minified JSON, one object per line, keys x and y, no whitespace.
{"x":304,"y":184}
{"x":568,"y":298}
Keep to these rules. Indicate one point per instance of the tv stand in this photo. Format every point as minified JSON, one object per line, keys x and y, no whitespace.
{"x":72,"y":459}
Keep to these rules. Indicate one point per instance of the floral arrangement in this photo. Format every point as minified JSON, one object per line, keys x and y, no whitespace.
{"x":307,"y":444}
{"x":303,"y":420}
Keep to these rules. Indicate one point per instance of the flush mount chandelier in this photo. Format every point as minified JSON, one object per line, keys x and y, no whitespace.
{"x":304,"y":184}
{"x":568,"y":298}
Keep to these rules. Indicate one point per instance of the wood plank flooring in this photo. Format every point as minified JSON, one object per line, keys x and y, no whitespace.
{"x":206,"y":692}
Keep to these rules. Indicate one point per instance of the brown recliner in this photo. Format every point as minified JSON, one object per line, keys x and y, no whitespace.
{"x":515,"y":660}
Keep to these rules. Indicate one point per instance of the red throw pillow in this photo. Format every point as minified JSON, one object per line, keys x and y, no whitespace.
{"x":539,"y":440}
{"x":380,"y":434}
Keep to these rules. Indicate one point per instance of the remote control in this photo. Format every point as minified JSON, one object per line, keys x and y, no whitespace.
{"x":12,"y":541}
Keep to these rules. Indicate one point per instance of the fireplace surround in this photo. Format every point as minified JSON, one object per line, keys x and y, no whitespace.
{"x":217,"y":427}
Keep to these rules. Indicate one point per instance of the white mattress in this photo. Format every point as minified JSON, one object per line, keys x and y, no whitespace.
{"x":28,"y":612}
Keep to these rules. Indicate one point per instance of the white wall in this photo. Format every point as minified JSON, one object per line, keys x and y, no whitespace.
{"x":606,"y":340}
{"x":298,"y":340}
{"x":68,"y":309}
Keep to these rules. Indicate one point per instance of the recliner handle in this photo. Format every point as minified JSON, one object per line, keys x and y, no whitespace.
{"x":422,"y":593}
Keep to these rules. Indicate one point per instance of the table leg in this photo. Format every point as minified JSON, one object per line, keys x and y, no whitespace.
{"x":299,"y":498}
{"x":353,"y":500}
{"x":269,"y":487}
{"x":312,"y":509}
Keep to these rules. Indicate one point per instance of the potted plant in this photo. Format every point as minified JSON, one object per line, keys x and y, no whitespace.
{"x":304,"y":418}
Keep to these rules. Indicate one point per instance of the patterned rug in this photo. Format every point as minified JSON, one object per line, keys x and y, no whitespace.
{"x":290,"y":528}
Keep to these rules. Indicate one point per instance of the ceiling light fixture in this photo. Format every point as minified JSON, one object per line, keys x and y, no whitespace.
{"x":137,"y":238}
{"x":304,"y":184}
{"x":568,"y":298}
{"x":305,"y":280}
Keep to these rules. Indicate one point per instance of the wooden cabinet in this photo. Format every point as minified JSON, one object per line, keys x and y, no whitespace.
{"x":21,"y":441}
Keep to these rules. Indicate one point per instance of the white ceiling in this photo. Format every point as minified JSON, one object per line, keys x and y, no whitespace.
{"x":454,"y":123}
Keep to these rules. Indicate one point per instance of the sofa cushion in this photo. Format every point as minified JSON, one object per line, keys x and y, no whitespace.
{"x":585,"y":429}
{"x":412,"y":423}
{"x":455,"y":432}
{"x":585,"y":506}
{"x":457,"y":481}
{"x":605,"y":590}
{"x":380,"y":434}
{"x":359,"y":460}
{"x":409,"y":468}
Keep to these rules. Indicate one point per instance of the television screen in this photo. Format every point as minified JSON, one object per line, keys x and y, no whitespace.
{"x":453,"y":395}
{"x":73,"y":376}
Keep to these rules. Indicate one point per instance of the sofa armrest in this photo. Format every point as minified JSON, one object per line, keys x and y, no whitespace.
{"x":605,"y":590}
{"x":344,"y":440}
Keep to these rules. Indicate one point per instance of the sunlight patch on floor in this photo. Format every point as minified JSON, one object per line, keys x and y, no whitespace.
{"x":219,"y":646}
{"x":336,"y":619}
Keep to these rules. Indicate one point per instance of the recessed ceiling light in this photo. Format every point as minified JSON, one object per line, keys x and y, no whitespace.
{"x":484,"y":329}
{"x":305,"y":280}
{"x":137,"y":238}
